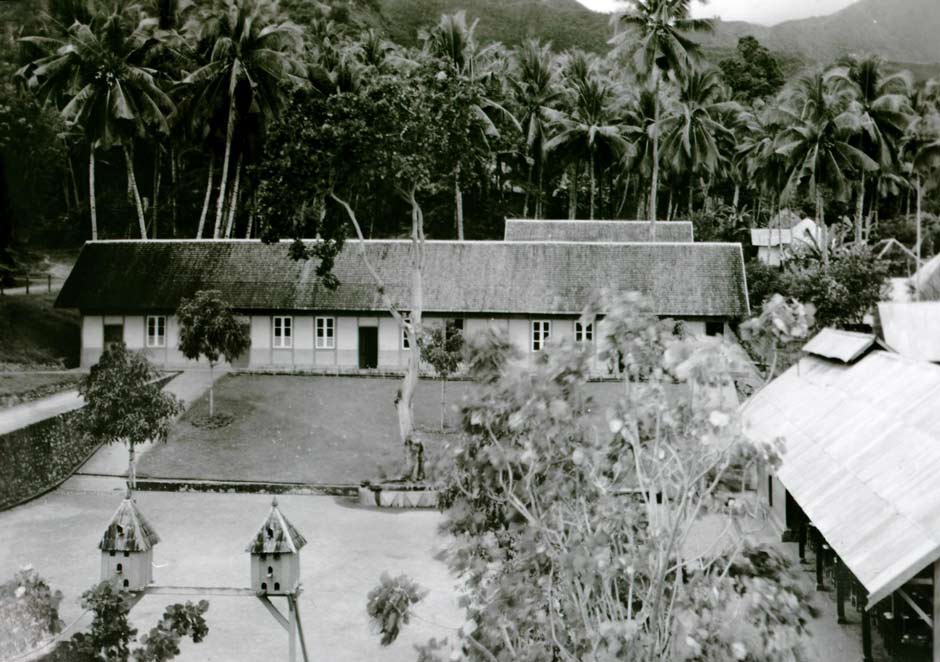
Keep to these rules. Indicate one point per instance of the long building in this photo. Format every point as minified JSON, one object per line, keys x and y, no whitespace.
{"x":128,"y":291}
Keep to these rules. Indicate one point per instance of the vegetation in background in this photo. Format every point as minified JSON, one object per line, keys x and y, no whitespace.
{"x":125,"y":402}
{"x":207,"y":328}
{"x":575,"y":541}
{"x":36,"y":335}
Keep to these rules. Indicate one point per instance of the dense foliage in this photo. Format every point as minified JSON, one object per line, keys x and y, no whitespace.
{"x":110,"y":637}
{"x":586,"y":538}
{"x":649,"y":128}
{"x":29,"y":613}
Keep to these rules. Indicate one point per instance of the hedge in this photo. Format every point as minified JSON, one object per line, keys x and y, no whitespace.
{"x":35,"y":458}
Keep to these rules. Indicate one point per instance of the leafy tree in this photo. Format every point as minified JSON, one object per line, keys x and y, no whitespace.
{"x":95,"y":70}
{"x":389,"y":605}
{"x":753,"y":72}
{"x":124,"y":403}
{"x":575,"y":539}
{"x":208,"y":328}
{"x":780,"y":324}
{"x":655,"y":36}
{"x":29,"y":613}
{"x":443,"y":349}
{"x":110,"y":636}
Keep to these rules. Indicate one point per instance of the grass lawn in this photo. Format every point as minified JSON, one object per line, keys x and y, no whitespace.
{"x":36,"y":334}
{"x":306,"y":429}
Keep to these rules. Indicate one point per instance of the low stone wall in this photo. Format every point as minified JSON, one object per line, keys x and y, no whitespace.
{"x":38,"y":457}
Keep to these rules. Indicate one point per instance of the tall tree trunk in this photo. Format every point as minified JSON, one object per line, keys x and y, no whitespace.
{"x":626,"y":192}
{"x":173,"y":182}
{"x":823,"y":232}
{"x":539,"y":212}
{"x":691,"y":195}
{"x":669,"y":206}
{"x":92,"y":203}
{"x":75,"y":192}
{"x":131,"y":465}
{"x":737,"y":197}
{"x":251,"y":217}
{"x":157,"y":176}
{"x":132,"y":183}
{"x":443,"y":400}
{"x":413,"y":328}
{"x":920,"y":199}
{"x":528,"y":191}
{"x":593,"y":184}
{"x":233,"y":203}
{"x":458,"y":203}
{"x":211,"y":389}
{"x":205,"y":202}
{"x":573,"y":191}
{"x":859,"y":210}
{"x":223,"y":186}
{"x":654,"y":184}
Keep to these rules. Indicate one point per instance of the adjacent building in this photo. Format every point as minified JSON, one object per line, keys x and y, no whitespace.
{"x":776,"y":244}
{"x":128,"y":291}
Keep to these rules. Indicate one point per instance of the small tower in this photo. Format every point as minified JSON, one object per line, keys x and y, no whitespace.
{"x":275,"y":555}
{"x":127,"y":548}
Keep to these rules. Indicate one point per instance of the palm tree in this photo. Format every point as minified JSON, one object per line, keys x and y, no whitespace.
{"x":590,"y":129}
{"x":823,"y":120}
{"x":655,"y":35}
{"x":110,"y":96}
{"x":533,"y":85}
{"x":885,"y":105}
{"x":691,"y":135}
{"x":251,"y":53}
{"x":453,"y":42}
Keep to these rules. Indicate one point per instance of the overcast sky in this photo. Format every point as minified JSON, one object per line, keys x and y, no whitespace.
{"x":766,"y":12}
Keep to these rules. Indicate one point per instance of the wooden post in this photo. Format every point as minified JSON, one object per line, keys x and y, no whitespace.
{"x":801,"y":540}
{"x":936,"y":612}
{"x":292,"y":630}
{"x":866,"y":635}
{"x":820,"y":584}
{"x":840,"y":591}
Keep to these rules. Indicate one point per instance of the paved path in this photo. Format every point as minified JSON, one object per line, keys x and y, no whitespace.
{"x":111,"y":460}
{"x":28,"y":413}
{"x":202,"y":543}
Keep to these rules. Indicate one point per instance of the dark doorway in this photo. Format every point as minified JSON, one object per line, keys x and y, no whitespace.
{"x":113,"y":334}
{"x":368,"y":347}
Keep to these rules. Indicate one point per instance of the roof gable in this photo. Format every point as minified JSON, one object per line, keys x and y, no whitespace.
{"x":460,"y":277}
{"x":276,"y":535}
{"x":128,"y":530}
{"x":601,"y":231}
{"x":845,"y":346}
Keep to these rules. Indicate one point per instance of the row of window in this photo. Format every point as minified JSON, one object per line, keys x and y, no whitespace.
{"x":325,"y":332}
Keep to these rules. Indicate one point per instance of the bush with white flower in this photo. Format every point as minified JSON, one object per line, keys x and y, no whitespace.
{"x":29,"y":613}
{"x":580,"y":539}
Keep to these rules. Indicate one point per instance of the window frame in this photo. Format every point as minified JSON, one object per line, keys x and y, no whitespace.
{"x":541,"y":328}
{"x":584,"y":332}
{"x":157,"y":340}
{"x":405,"y":344}
{"x":286,"y":339}
{"x":328,"y":339}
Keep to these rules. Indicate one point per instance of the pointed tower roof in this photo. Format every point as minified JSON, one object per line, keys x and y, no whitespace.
{"x":277,"y":535}
{"x":128,"y":530}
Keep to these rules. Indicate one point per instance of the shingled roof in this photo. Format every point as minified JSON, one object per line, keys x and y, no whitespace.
{"x":128,"y":530}
{"x":469,"y":277}
{"x":602,"y":231}
{"x":276,"y":535}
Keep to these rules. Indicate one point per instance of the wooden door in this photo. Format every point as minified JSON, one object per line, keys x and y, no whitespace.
{"x":368,"y":347}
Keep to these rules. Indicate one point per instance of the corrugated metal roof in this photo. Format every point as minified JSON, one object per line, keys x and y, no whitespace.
{"x":845,"y":346}
{"x":618,"y":231}
{"x":469,"y":277}
{"x":128,"y":530}
{"x":276,"y":535}
{"x":927,"y":279}
{"x":862,"y":459}
{"x":912,"y":329}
